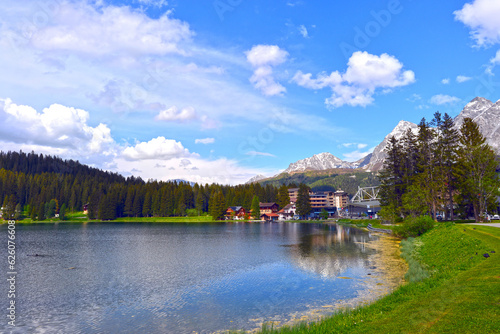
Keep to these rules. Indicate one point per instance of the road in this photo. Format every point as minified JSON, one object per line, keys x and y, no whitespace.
{"x":487,"y":224}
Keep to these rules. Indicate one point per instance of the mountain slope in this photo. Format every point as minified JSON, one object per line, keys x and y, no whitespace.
{"x":378,"y":156}
{"x":487,"y":115}
{"x":320,"y":161}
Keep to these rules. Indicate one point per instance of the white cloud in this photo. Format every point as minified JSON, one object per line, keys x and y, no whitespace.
{"x":364,"y":75}
{"x":157,"y":148}
{"x":462,"y":78}
{"x":184,"y":163}
{"x":356,"y":155}
{"x":256,"y":153}
{"x":204,"y":141}
{"x":414,"y":98}
{"x":263,"y":58}
{"x":86,"y":29}
{"x":441,"y":99}
{"x":445,"y":81}
{"x":358,"y":145}
{"x":303,"y":31}
{"x":481,"y":16}
{"x":173,"y":114}
{"x":493,"y":63}
{"x":56,"y":127}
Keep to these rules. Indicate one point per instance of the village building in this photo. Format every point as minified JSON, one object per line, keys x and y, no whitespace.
{"x":235,"y":213}
{"x":293,"y":193}
{"x":341,"y":199}
{"x":288,"y":212}
{"x":269,"y":211}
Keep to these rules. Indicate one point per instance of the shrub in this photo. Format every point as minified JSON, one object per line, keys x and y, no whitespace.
{"x":413,"y":227}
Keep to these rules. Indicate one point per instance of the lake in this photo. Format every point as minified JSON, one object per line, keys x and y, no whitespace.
{"x":185,"y":278}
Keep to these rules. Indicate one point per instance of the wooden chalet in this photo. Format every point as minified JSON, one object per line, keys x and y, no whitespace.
{"x":268,"y":208}
{"x":235,"y":212}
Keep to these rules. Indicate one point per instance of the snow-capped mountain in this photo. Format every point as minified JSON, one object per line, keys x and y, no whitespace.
{"x":487,"y":115}
{"x":256,"y":178}
{"x":320,"y":161}
{"x":378,"y":155}
{"x":484,"y":112}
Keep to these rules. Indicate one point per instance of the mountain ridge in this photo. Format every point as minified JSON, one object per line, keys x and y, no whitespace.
{"x":483,"y":111}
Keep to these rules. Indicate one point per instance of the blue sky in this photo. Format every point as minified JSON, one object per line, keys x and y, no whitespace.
{"x":219,"y":91}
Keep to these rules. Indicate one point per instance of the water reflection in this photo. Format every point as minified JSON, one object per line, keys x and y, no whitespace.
{"x":180,"y":278}
{"x":331,"y":250}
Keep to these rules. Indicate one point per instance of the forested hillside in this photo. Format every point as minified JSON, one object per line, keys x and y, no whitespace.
{"x":329,"y":180}
{"x":42,"y":185}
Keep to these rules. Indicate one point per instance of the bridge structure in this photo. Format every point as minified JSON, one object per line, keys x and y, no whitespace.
{"x":366,"y":200}
{"x":367,"y":197}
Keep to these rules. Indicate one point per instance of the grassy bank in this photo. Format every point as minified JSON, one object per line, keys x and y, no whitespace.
{"x":460,"y":295}
{"x":79,"y":217}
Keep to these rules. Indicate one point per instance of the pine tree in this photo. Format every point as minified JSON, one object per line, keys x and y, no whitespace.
{"x":255,"y":208}
{"x":476,"y":169}
{"x":446,"y":152}
{"x":392,"y":180}
{"x":200,"y":202}
{"x":62,"y":212}
{"x":217,"y":206}
{"x":146,"y":207}
{"x":283,"y":196}
{"x":303,"y":201}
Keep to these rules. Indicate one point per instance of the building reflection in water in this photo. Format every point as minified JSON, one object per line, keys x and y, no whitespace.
{"x":329,"y":250}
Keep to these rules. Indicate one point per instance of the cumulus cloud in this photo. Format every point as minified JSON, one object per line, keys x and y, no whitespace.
{"x":204,"y":141}
{"x":85,"y":29}
{"x":184,"y":163}
{"x":157,"y":148}
{"x":365,"y":74}
{"x":263,"y":58}
{"x":481,"y":16}
{"x":173,"y":114}
{"x":442,"y":99}
{"x":57,"y":126}
{"x":445,"y":81}
{"x":463,"y":78}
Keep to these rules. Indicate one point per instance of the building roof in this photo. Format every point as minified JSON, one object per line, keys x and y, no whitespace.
{"x":267,"y":205}
{"x":270,"y":214}
{"x":235,"y":208}
{"x":288,"y":206}
{"x":293,"y":189}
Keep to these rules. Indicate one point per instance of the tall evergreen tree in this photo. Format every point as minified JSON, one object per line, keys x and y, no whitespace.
{"x":392,"y":180}
{"x":446,"y":153}
{"x":476,"y":169}
{"x":283,"y":196}
{"x":217,"y":207}
{"x":303,"y":203}
{"x":255,"y":208}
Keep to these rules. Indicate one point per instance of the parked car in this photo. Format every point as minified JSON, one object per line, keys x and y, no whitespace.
{"x":495,"y":217}
{"x":439,"y":217}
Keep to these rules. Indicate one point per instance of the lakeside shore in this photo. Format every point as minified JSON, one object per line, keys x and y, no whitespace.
{"x":460,"y":295}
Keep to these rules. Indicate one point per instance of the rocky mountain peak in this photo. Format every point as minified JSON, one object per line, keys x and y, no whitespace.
{"x":319,"y":161}
{"x":256,"y":178}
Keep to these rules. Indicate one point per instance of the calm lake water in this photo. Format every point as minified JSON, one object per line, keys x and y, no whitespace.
{"x":183,"y":278}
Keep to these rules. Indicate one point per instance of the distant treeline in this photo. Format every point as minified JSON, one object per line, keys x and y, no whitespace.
{"x":38,"y":184}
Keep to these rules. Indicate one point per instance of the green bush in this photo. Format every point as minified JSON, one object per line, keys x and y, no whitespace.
{"x":414,"y":227}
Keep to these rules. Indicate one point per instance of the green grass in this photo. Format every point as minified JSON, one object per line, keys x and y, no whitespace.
{"x":79,"y":217}
{"x":461,"y":294}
